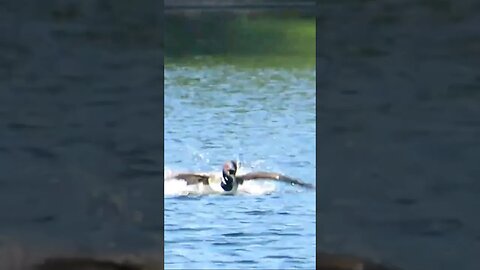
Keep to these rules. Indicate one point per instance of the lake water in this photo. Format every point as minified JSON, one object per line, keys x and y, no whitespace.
{"x":265,"y":118}
{"x":80,"y":154}
{"x":399,"y":132}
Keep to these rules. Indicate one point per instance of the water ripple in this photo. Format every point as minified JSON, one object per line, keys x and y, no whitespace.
{"x":266,"y":119}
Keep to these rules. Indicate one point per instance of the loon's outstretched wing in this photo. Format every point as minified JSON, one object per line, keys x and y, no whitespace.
{"x":191,"y":178}
{"x":273,"y":176}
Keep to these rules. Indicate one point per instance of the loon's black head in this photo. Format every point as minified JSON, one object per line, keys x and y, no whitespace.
{"x":228,"y":175}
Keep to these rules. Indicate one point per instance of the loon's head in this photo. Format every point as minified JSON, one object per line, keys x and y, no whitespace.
{"x":228,"y":175}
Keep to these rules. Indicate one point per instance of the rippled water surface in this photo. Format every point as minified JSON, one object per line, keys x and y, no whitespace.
{"x":264,"y":117}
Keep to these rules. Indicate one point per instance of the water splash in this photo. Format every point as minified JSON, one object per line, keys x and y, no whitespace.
{"x":174,"y":187}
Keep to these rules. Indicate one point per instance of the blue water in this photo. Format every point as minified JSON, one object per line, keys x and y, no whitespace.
{"x":265,"y":118}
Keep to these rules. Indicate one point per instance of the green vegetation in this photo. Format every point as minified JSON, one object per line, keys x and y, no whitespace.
{"x":240,"y":39}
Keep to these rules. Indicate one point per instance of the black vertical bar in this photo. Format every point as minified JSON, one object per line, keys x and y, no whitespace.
{"x":318,"y":76}
{"x":162,"y":139}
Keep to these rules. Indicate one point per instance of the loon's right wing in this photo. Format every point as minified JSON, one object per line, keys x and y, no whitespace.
{"x":273,"y":176}
{"x":191,"y":178}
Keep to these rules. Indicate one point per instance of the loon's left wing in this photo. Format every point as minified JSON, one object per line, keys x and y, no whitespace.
{"x":191,"y":178}
{"x":273,"y":176}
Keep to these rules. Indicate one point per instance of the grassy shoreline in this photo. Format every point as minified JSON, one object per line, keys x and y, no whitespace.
{"x":241,"y":40}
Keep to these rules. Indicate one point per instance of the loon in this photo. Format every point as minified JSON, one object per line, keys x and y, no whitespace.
{"x":230,"y":180}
